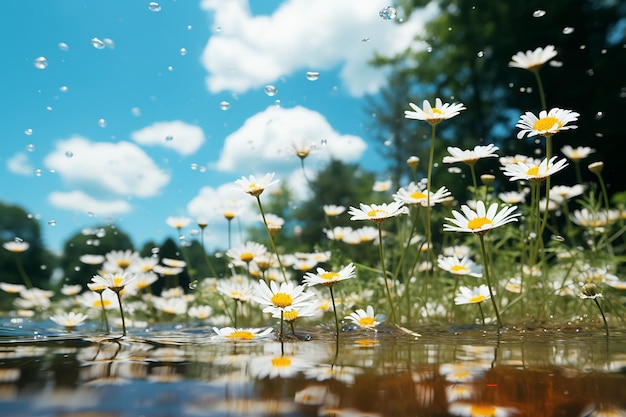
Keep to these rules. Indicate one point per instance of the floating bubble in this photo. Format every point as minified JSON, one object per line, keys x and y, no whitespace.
{"x":97,"y":43}
{"x":169,"y":138}
{"x":312,"y":75}
{"x":193,"y":284}
{"x":568,"y":30}
{"x":599,"y":115}
{"x":69,"y":154}
{"x":388,"y":13}
{"x":170,"y":68}
{"x":40,"y":62}
{"x":224,"y":105}
{"x":480,"y":54}
{"x":63,"y":46}
{"x":153,"y":6}
{"x":194,"y":166}
{"x":365,"y":40}
{"x":189,"y":27}
{"x":324,"y":142}
{"x":135,"y":111}
{"x":38,"y":172}
{"x":539,"y":13}
{"x":102,"y":123}
{"x":30,"y":147}
{"x":77,"y":268}
{"x":28,"y":132}
{"x":109,"y":43}
{"x":270,"y":90}
{"x":63,"y":89}
{"x":49,"y":108}
{"x":52,"y":223}
{"x":183,"y":51}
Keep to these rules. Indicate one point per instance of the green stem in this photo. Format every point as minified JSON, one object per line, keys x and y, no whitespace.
{"x":119,"y":299}
{"x":22,"y":271}
{"x":271,"y":239}
{"x":542,"y":95}
{"x":332,"y":298}
{"x":382,"y":265}
{"x":104,"y":313}
{"x":606,"y":326}
{"x":488,"y":278}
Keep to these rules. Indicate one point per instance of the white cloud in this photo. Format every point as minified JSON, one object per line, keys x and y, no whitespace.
{"x":81,"y":202}
{"x":265,"y":142}
{"x":19,"y":164}
{"x":115,"y":169}
{"x":250,"y":51}
{"x":176,"y":135}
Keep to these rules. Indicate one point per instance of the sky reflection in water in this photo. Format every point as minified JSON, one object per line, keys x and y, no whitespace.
{"x":165,"y":371}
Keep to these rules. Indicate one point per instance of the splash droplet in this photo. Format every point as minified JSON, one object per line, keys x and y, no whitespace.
{"x":480,"y":54}
{"x":28,"y":132}
{"x":194,"y":166}
{"x":69,"y":154}
{"x":183,"y":51}
{"x":63,"y":89}
{"x":388,"y":13}
{"x":193,"y":284}
{"x":599,"y":115}
{"x":102,"y":123}
{"x":52,"y":223}
{"x":568,"y":30}
{"x":270,"y":90}
{"x":169,"y":138}
{"x":135,"y":111}
{"x":539,"y":13}
{"x":153,"y":6}
{"x":97,"y":43}
{"x":312,"y":75}
{"x":63,"y":46}
{"x":30,"y":147}
{"x":40,"y":62}
{"x":324,"y":142}
{"x":38,"y":172}
{"x":224,"y":105}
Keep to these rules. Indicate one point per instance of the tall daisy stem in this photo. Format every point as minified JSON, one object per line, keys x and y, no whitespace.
{"x":332,"y":298}
{"x":382,"y":265}
{"x":606,"y":326}
{"x":271,"y":239}
{"x":119,"y":299}
{"x":488,"y":278}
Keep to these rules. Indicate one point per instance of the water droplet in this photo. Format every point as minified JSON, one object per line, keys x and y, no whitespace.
{"x":558,"y":238}
{"x":43,"y":267}
{"x":77,"y":268}
{"x":183,"y":51}
{"x":194,"y":166}
{"x":109,"y":43}
{"x":365,"y":40}
{"x":539,"y":13}
{"x":170,"y":68}
{"x":28,"y":132}
{"x":91,"y":214}
{"x":224,"y":105}
{"x":480,"y":54}
{"x":388,"y":13}
{"x":270,"y":90}
{"x":189,"y":27}
{"x":52,"y":223}
{"x":40,"y":62}
{"x":387,"y":143}
{"x":324,"y":142}
{"x":30,"y":147}
{"x":69,"y":154}
{"x":49,"y":108}
{"x":599,"y":115}
{"x":169,"y":138}
{"x":135,"y":111}
{"x":429,"y":49}
{"x":63,"y":46}
{"x":568,"y":30}
{"x":38,"y":172}
{"x":102,"y":123}
{"x":312,"y":75}
{"x":63,"y":89}
{"x":153,"y":6}
{"x":97,"y":43}
{"x":193,"y":284}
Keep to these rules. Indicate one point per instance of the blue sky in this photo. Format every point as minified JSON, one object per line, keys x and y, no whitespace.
{"x":124,"y":120}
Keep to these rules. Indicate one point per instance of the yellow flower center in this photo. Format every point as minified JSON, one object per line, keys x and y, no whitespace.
{"x":282,"y":300}
{"x":376,"y":212}
{"x":533,"y":171}
{"x":241,"y":334}
{"x":290,"y":315}
{"x":437,"y":111}
{"x":459,"y":269}
{"x":246,"y":256}
{"x":476,"y":299}
{"x":329,"y":276}
{"x":117,"y":281}
{"x":104,"y":303}
{"x":236,"y":294}
{"x":482,"y":410}
{"x":366,"y":321}
{"x":281,"y":362}
{"x":123,"y":263}
{"x":547,"y":123}
{"x":366,"y":342}
{"x":478,"y":222}
{"x":229,"y":215}
{"x":418,"y":195}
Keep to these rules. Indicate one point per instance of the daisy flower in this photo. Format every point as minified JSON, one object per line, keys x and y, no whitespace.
{"x":562,"y":193}
{"x":536,"y":173}
{"x":231,"y":209}
{"x":255,"y":187}
{"x":470,"y":156}
{"x":480,"y":409}
{"x":333,"y":210}
{"x":415,"y":194}
{"x":481,"y":220}
{"x":459,"y":266}
{"x":380,"y":186}
{"x":114,"y":282}
{"x":590,"y":291}
{"x":119,"y":259}
{"x":547,"y":124}
{"x":200,"y":312}
{"x":12,"y":288}
{"x":512,"y":197}
{"x":434,"y":115}
{"x":329,"y":278}
{"x":90,"y":259}
{"x":576,"y":154}
{"x":178,"y":222}
{"x":377,"y":212}
{"x":69,"y":320}
{"x":533,"y":60}
{"x":246,"y":253}
{"x":473,"y":295}
{"x":236,"y":289}
{"x":293,"y":313}
{"x":16,"y":246}
{"x":102,"y":300}
{"x":365,"y":318}
{"x":279,"y":297}
{"x":282,"y":366}
{"x":239,"y":334}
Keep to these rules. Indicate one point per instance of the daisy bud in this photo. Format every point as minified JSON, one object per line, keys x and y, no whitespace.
{"x":413,"y":162}
{"x":596,"y":167}
{"x":487,"y":179}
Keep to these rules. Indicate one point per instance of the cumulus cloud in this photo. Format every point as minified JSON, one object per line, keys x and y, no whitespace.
{"x":81,"y":202}
{"x":250,"y":51}
{"x":176,"y":135}
{"x":19,"y":164}
{"x":111,"y":169}
{"x":267,"y":141}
